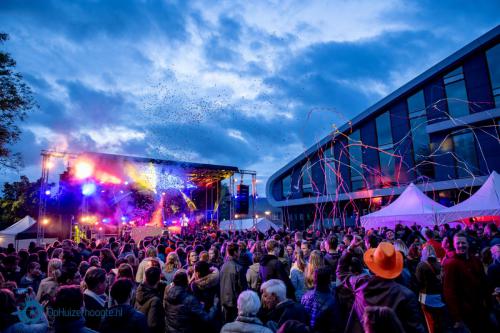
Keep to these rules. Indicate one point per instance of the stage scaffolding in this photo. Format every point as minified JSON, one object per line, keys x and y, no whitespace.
{"x":197,"y":172}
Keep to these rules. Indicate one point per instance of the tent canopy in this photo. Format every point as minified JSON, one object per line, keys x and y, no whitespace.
{"x":262,"y":225}
{"x":14,"y":232}
{"x":485,"y":202}
{"x":412,"y":206}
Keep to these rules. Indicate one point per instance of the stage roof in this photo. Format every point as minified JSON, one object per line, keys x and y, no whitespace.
{"x":197,"y":173}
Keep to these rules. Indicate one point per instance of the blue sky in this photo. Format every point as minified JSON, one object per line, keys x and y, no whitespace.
{"x":245,"y":83}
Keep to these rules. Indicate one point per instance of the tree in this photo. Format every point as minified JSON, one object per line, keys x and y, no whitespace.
{"x":19,"y":199}
{"x":16,"y":100}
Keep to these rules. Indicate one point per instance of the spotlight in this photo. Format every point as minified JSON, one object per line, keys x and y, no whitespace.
{"x":126,"y":183}
{"x":49,"y":164}
{"x":47,"y":192}
{"x":83,"y":169}
{"x":45,"y":221}
{"x":105,"y":220}
{"x":124,"y":218}
{"x":88,"y":189}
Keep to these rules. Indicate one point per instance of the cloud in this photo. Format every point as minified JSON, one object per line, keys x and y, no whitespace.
{"x":238,"y":83}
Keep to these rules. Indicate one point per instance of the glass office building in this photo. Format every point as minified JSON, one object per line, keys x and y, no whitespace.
{"x":439,"y":131}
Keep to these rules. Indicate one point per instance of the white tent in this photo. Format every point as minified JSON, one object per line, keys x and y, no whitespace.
{"x":485,"y":202}
{"x":9,"y":235}
{"x":262,"y":224}
{"x":412,"y":206}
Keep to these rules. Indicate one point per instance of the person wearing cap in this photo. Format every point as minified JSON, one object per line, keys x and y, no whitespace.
{"x":386,"y":264}
{"x":465,"y":288}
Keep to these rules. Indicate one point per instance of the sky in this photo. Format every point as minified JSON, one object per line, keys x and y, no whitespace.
{"x":250,"y":84}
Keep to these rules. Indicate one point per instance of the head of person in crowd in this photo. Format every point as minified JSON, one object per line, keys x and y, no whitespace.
{"x":248,"y":304}
{"x":213,"y":254}
{"x":447,"y":243}
{"x":273,"y":292}
{"x":69,"y":274}
{"x":94,"y":261}
{"x":384,"y":261}
{"x":54,"y":268}
{"x":180,"y":279}
{"x":7,"y":309}
{"x":347,"y":239}
{"x":389,"y":235}
{"x":495,"y":253}
{"x":172,"y":263}
{"x":203,"y":256}
{"x":305,"y":246}
{"x":121,"y":291}
{"x":381,"y":319}
{"x":151,"y":252}
{"x":67,"y":245}
{"x":315,"y":261}
{"x":461,"y":244}
{"x":232,"y":251}
{"x":491,"y":230}
{"x":95,"y":279}
{"x":371,"y":241}
{"x":415,"y":251}
{"x":193,"y":258}
{"x":11,"y":263}
{"x":428,"y":254}
{"x":300,"y":261}
{"x":68,"y":298}
{"x":201,"y":269}
{"x":331,"y":244}
{"x":152,"y":276}
{"x":272,"y":247}
{"x":125,"y":271}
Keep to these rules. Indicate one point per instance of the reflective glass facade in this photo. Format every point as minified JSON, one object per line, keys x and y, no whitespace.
{"x":456,"y":93}
{"x":493,"y":58}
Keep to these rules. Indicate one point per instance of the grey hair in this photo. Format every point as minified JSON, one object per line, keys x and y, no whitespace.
{"x":248,"y":303}
{"x":275,"y":286}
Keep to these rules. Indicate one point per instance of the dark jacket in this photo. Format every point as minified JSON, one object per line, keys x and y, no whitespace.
{"x":124,"y":319}
{"x":429,"y":278}
{"x":149,"y":302}
{"x":464,"y":288}
{"x":73,"y":326}
{"x":286,"y":310}
{"x":91,"y":308}
{"x":205,"y":288}
{"x":332,"y":261}
{"x":493,"y":276}
{"x":184,"y":313}
{"x":232,"y":283}
{"x":272,"y":268}
{"x":376,"y":291}
{"x":323,"y":311}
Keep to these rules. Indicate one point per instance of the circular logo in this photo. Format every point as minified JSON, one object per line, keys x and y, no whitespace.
{"x":31,"y":313}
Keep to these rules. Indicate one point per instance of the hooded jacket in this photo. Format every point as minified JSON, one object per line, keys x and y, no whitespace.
{"x":272,"y":268}
{"x":253,"y":278}
{"x":184,"y":313}
{"x":245,"y":325}
{"x":149,"y":302}
{"x":375,"y":291}
{"x":205,"y":288}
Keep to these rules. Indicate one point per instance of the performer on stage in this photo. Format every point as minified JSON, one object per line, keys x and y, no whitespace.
{"x":184,"y":224}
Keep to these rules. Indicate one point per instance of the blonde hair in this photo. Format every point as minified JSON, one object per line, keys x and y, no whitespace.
{"x":300,"y":262}
{"x":172,"y":263}
{"x":54,"y":268}
{"x":315,"y":262}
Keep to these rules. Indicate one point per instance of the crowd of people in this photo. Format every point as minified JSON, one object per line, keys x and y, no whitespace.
{"x":407,"y":279}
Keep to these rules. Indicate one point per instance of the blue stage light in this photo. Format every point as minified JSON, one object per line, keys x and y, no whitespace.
{"x":47,"y":192}
{"x":124,"y":219}
{"x":105,"y":220}
{"x":88,"y":189}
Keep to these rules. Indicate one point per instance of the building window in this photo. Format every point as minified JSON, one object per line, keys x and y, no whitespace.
{"x":306,"y":175}
{"x":493,"y":58}
{"x":330,"y":175}
{"x":287,"y":186}
{"x":356,"y":161}
{"x":456,"y":93}
{"x":465,"y":151}
{"x":386,"y":153}
{"x":420,"y":138}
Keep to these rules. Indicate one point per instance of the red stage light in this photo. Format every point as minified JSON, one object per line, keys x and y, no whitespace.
{"x":84,"y":169}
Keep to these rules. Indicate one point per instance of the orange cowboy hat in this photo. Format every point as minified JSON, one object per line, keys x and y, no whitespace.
{"x":384,"y":261}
